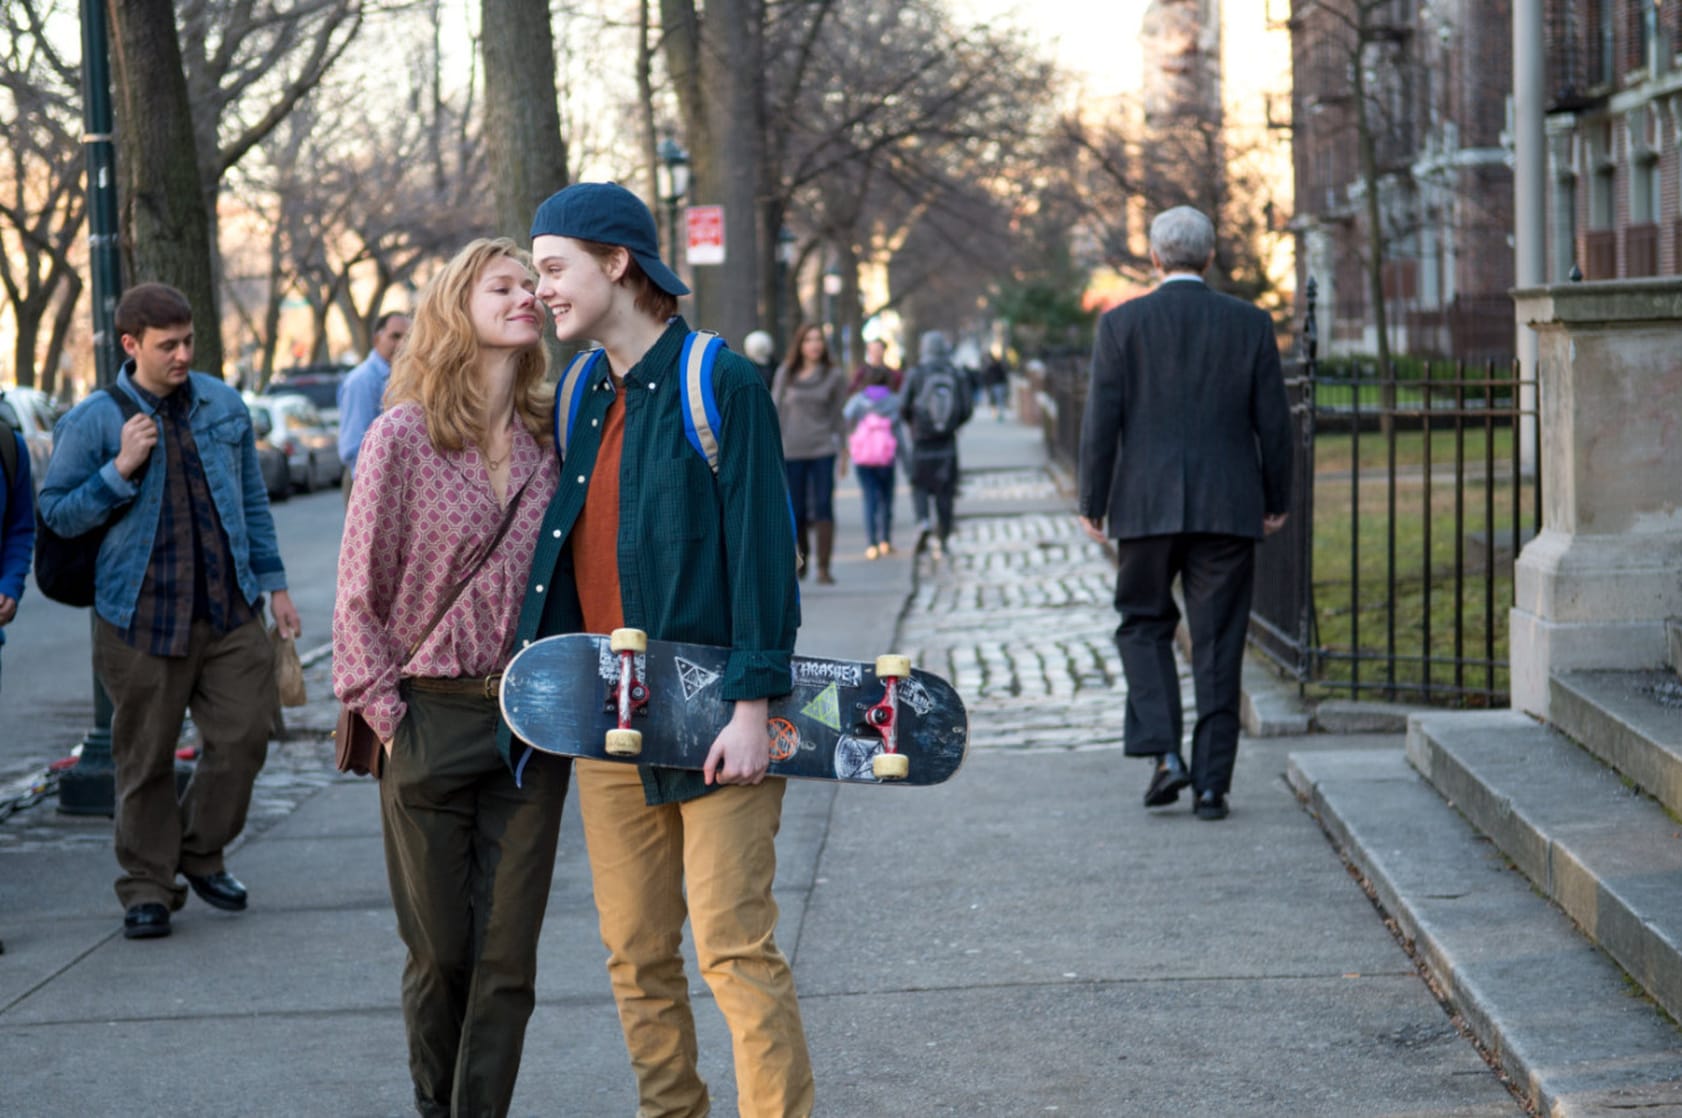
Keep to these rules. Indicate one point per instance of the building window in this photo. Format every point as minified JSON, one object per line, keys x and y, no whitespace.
{"x":1605,"y":42}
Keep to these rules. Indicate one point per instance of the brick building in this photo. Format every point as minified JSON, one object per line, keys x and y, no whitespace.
{"x":1614,"y":130}
{"x":1438,"y":77}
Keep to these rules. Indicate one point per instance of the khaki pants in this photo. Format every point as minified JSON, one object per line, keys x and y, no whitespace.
{"x":723,"y":847}
{"x":228,"y":684}
{"x":469,"y":856}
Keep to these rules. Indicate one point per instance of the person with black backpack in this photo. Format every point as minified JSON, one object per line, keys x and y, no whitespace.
{"x":165,"y":462}
{"x":937,"y":401}
{"x":17,"y":521}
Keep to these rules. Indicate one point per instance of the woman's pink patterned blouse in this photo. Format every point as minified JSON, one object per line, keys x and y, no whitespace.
{"x":416,"y":519}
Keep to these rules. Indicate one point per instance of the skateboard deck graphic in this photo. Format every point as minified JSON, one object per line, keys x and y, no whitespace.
{"x":562,"y":694}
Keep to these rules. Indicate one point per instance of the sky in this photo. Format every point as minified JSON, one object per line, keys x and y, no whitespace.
{"x":1096,"y":39}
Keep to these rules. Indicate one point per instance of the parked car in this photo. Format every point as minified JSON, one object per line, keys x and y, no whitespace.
{"x":311,"y":449}
{"x":277,"y":473}
{"x":319,"y":384}
{"x":33,"y":413}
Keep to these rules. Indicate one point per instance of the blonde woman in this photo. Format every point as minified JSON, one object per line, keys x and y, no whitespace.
{"x":451,"y":483}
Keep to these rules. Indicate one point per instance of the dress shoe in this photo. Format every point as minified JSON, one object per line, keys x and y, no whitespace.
{"x":1210,"y":805}
{"x":146,"y":921}
{"x":1170,"y":776}
{"x":219,"y":890}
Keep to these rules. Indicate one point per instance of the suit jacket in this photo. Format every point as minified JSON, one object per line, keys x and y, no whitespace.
{"x":1187,"y":428}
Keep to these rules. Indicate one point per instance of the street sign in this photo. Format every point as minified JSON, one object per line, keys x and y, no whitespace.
{"x":705,"y":226}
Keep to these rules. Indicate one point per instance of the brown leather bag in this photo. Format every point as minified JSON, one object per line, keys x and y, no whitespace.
{"x":356,"y":747}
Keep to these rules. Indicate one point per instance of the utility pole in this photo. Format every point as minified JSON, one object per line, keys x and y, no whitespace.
{"x":88,"y":787}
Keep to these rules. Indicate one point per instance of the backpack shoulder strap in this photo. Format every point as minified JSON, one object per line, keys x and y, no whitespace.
{"x":700,"y":405}
{"x":8,"y":450}
{"x":569,"y":393}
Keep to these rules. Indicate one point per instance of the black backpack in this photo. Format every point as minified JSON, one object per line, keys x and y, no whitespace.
{"x":942,"y":403}
{"x":64,"y":566}
{"x":8,"y":451}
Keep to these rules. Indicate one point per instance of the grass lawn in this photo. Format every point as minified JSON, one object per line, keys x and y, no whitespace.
{"x":1427,"y":615}
{"x":1334,"y":453}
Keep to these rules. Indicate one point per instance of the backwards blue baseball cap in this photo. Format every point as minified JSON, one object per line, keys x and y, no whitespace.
{"x":609,"y":214}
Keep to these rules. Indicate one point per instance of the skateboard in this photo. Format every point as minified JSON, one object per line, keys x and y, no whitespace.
{"x":649,"y":702}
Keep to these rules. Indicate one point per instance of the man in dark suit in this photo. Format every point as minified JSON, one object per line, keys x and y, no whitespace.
{"x":1185,"y":461}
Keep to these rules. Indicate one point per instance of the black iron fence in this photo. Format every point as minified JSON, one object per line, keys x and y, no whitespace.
{"x":1393,"y":575}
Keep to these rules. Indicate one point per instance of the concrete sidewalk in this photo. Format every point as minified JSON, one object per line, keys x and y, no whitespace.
{"x":1023,"y":940}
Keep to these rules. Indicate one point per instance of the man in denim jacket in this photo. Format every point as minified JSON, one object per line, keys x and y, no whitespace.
{"x":178,"y":598}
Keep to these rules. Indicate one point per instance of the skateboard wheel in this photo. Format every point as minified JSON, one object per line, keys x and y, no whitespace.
{"x":890,"y":766}
{"x":628,"y":640}
{"x":624,"y":743}
{"x":896,"y":667}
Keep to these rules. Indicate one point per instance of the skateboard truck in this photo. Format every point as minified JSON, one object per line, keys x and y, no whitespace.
{"x":884,"y":719}
{"x":630,"y":693}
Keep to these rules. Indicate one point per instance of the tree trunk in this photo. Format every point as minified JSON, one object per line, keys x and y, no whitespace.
{"x":166,"y":232}
{"x":1367,"y":144}
{"x":646,"y":136}
{"x":28,"y":318}
{"x":735,"y":68}
{"x":64,"y":319}
{"x":719,"y":84}
{"x":522,"y":123}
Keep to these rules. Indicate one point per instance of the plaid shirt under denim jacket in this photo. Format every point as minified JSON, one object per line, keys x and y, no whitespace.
{"x":83,"y":489}
{"x":704,"y":559}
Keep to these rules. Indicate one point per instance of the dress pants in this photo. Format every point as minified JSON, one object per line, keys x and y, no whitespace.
{"x":227,"y":681}
{"x":722,"y":846}
{"x":469,"y":856}
{"x":1216,"y":575}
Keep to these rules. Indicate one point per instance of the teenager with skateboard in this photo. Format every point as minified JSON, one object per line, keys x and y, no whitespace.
{"x":451,"y":483}
{"x":644,"y":533}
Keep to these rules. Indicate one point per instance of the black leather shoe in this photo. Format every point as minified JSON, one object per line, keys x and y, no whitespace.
{"x":1210,"y":805}
{"x":219,"y":890}
{"x":1170,"y":776}
{"x":146,"y":921}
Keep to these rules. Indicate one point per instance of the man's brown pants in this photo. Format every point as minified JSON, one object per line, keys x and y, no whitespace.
{"x":228,"y":683}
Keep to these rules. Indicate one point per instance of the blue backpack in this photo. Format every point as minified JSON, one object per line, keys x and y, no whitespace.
{"x":700,"y":406}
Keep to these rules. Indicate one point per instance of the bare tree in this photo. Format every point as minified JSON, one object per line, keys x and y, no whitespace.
{"x":167,"y":231}
{"x":715,"y":59}
{"x":897,"y":125}
{"x":1115,"y":166}
{"x":522,"y":124}
{"x":357,"y":201}
{"x":42,"y":200}
{"x":1372,"y":54}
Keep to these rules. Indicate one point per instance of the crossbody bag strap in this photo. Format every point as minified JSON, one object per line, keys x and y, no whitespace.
{"x":473,"y":569}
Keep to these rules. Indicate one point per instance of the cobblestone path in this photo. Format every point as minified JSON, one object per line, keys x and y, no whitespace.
{"x":1020,"y":617}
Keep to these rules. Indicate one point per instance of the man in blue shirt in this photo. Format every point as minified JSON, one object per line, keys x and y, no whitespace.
{"x":17,"y":525}
{"x":178,"y":603}
{"x":363,"y":389}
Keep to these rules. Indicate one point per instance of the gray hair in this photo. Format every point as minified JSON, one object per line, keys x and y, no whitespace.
{"x":1183,"y":239}
{"x":758,"y":346}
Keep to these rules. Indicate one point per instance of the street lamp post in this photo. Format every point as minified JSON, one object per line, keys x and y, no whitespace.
{"x":832,"y":289}
{"x":88,"y":787}
{"x":674,"y":185}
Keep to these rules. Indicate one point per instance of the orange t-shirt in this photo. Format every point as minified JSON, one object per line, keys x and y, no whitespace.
{"x":595,"y":537}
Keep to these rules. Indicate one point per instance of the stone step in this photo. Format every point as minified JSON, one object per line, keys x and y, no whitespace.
{"x":1606,"y":854}
{"x":1630,"y":720}
{"x":1555,"y":1011}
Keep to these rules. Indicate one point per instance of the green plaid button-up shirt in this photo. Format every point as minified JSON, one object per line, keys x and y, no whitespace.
{"x":705,"y":559}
